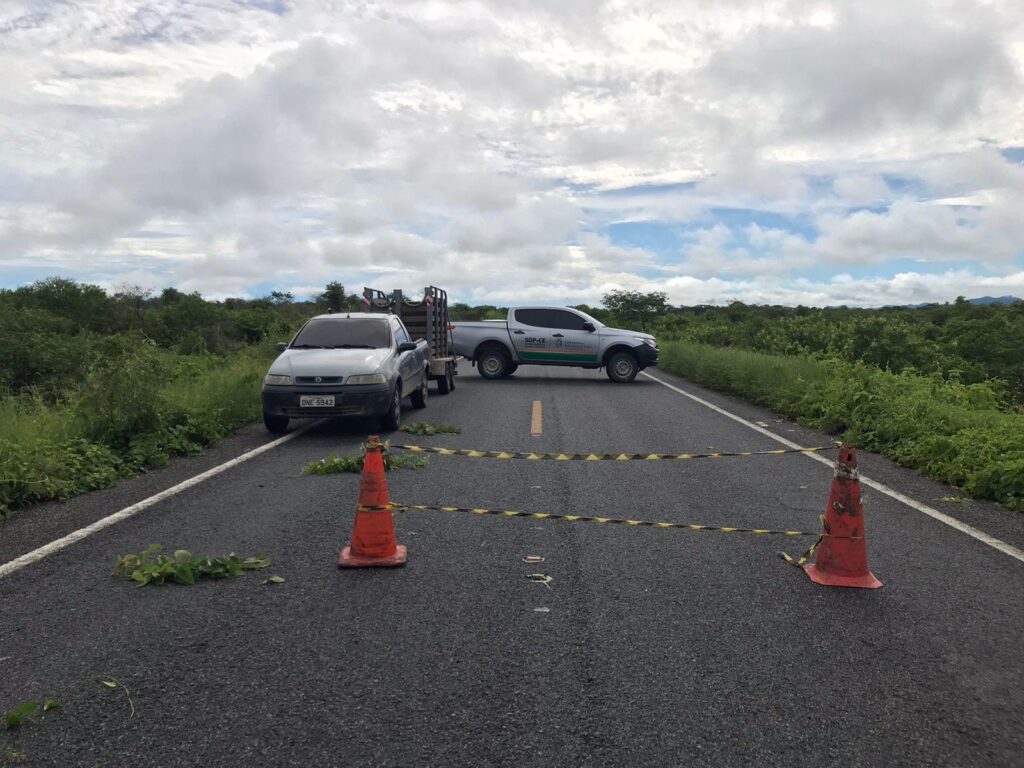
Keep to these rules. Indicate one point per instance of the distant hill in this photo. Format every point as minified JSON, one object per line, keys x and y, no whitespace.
{"x":981,"y":301}
{"x":995,"y":300}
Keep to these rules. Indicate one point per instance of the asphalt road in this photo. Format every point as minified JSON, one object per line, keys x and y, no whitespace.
{"x":648,"y":647}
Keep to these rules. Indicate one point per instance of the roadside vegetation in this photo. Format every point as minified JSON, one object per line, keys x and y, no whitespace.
{"x":961,"y":434}
{"x":95,"y":386}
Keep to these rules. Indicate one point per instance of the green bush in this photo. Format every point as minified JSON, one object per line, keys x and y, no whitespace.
{"x":120,"y":399}
{"x":136,"y":409}
{"x":960,"y":341}
{"x":96,"y":386}
{"x":953,"y":432}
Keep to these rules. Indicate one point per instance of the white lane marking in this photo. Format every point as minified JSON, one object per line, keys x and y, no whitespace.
{"x":66,"y":541}
{"x":952,"y":522}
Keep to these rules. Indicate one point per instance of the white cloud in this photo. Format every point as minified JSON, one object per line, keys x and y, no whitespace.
{"x":489,"y":146}
{"x":857,"y":189}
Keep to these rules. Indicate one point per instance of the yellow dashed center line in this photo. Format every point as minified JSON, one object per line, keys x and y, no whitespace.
{"x":537,"y":422}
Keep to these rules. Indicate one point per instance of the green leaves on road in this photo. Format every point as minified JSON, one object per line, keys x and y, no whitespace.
{"x":113,"y":684}
{"x":184,"y":568}
{"x":27,"y":711}
{"x":420,"y":428}
{"x":353,"y":462}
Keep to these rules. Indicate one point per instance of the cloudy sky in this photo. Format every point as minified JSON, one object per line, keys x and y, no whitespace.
{"x":783,"y":151}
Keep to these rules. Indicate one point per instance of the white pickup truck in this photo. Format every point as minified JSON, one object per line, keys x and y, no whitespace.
{"x":552,"y":336}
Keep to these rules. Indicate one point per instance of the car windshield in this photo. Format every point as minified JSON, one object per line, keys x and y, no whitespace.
{"x":347,"y":333}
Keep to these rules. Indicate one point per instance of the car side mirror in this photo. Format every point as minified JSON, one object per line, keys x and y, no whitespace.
{"x":588,"y":326}
{"x":407,"y":346}
{"x":281,"y":346}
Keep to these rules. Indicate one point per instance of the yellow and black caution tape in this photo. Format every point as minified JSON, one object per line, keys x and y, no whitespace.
{"x":531,"y":456}
{"x":589,"y":519}
{"x":798,"y":562}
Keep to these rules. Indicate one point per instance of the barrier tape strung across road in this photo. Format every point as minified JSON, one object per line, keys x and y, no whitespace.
{"x":590,"y":519}
{"x":799,"y":561}
{"x":528,"y":456}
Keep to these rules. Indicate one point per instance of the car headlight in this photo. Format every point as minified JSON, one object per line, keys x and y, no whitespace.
{"x":276,"y":379}
{"x":651,"y":342}
{"x":367,"y":378}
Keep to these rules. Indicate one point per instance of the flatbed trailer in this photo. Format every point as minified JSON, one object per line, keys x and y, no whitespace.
{"x":427,"y":319}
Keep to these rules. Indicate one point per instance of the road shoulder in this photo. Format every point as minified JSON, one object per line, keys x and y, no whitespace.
{"x":32,"y":527}
{"x":987,"y":516}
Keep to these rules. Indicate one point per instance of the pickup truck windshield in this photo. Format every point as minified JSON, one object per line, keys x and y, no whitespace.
{"x":357,"y":333}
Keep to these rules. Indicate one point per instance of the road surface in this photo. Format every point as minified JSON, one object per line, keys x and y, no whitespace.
{"x":648,"y":647}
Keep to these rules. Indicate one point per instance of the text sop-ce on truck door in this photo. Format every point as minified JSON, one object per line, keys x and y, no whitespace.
{"x":553,"y":336}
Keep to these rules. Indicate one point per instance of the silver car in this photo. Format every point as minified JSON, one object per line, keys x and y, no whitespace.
{"x":346,"y":365}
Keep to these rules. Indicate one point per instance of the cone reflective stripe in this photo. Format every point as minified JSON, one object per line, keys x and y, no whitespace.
{"x":842,"y":558}
{"x":373,"y":535}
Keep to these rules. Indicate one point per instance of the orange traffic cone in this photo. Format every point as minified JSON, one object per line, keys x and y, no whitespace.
{"x":373,"y":536}
{"x":842,"y":559}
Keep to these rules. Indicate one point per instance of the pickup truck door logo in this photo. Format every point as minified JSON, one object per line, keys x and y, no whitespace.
{"x":535,"y":342}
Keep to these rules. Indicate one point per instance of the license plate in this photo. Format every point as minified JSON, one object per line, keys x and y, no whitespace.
{"x":316,"y":401}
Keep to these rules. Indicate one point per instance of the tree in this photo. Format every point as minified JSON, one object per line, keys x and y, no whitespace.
{"x":86,"y":305}
{"x":170,"y":295}
{"x":636,"y":307}
{"x":130,"y":300}
{"x":333,"y":296}
{"x":283,"y":297}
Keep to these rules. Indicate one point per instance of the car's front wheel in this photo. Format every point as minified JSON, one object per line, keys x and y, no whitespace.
{"x":390,"y":420}
{"x":275,"y":424}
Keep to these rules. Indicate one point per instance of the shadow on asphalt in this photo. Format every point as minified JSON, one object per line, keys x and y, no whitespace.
{"x":349,"y":426}
{"x":518,"y":380}
{"x":345,"y":426}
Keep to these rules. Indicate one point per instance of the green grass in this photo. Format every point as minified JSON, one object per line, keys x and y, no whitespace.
{"x":953,"y":432}
{"x":130,"y":414}
{"x":24,"y":417}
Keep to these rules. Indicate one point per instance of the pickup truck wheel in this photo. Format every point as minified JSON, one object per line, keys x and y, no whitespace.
{"x":389,"y":421}
{"x":622,"y":367}
{"x":493,"y":364}
{"x":419,"y":397}
{"x":275,"y":424}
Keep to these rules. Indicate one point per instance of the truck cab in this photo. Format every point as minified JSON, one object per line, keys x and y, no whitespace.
{"x":553,"y":336}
